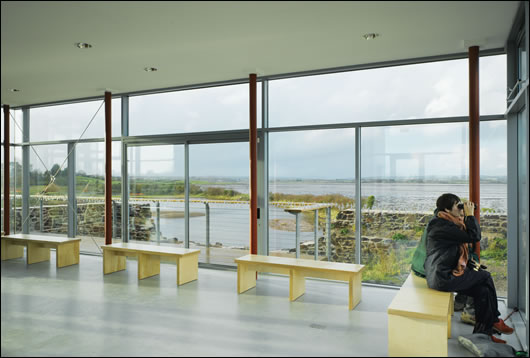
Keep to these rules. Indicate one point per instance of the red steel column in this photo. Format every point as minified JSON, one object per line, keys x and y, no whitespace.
{"x":6,"y":169}
{"x":474,"y":134}
{"x":253,"y":167}
{"x":108,"y":169}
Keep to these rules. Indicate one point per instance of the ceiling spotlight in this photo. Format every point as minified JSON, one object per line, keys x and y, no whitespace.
{"x":370,"y":36}
{"x":150,"y":69}
{"x":83,"y":45}
{"x":14,"y":90}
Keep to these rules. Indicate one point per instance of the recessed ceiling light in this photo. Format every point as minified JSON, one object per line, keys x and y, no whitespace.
{"x":83,"y":45}
{"x":370,"y":36}
{"x":14,"y":90}
{"x":150,"y":69}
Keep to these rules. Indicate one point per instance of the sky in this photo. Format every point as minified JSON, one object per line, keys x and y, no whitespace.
{"x":438,"y":89}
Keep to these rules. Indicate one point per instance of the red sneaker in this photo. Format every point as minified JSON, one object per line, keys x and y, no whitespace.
{"x":497,"y":340}
{"x":501,"y":327}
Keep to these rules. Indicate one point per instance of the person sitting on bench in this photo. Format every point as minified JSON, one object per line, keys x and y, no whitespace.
{"x":446,"y":265}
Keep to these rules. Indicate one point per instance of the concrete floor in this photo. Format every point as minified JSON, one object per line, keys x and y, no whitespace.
{"x":78,"y":311}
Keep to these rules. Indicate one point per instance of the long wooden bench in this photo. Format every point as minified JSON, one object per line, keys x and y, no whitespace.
{"x":419,"y":320}
{"x":187,"y":260}
{"x":38,"y":248}
{"x":298,"y":270}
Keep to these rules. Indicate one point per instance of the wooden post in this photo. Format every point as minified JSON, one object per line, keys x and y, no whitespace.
{"x":253,"y":166}
{"x":474,"y":134}
{"x":6,"y":170}
{"x":108,"y":169}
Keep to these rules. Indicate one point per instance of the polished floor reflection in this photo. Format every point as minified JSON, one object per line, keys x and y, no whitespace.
{"x":77,"y":311}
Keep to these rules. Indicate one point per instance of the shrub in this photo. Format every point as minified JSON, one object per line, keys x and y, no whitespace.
{"x":399,"y":237}
{"x":497,"y":249}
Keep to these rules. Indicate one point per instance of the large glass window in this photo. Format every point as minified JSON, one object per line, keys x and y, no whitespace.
{"x":405,"y":169}
{"x":206,"y":109}
{"x":309,"y":169}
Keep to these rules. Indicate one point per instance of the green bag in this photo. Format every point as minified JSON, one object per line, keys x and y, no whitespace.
{"x":420,"y":255}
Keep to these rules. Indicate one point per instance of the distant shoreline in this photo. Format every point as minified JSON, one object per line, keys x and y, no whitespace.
{"x":176,"y":214}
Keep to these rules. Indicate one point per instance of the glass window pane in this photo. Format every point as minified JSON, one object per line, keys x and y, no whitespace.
{"x":405,"y":169}
{"x":492,"y":85}
{"x":205,"y":109}
{"x":69,"y":121}
{"x":156,"y":194}
{"x":219,"y":201}
{"x":427,"y":90}
{"x":494,"y":201}
{"x":90,"y":194}
{"x":310,"y":168}
{"x":48,"y":189}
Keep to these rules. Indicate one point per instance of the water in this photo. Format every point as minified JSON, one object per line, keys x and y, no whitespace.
{"x":229,"y":223}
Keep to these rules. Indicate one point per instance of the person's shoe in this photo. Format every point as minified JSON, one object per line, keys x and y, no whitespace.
{"x":497,"y":340}
{"x":468,"y":318}
{"x":501,"y":327}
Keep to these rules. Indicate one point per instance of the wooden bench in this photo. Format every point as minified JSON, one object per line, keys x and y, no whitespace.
{"x":419,"y":320}
{"x":38,"y":248}
{"x":114,"y":259}
{"x":298,"y":270}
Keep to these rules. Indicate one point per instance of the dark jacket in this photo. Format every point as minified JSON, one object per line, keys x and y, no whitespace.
{"x":443,"y":248}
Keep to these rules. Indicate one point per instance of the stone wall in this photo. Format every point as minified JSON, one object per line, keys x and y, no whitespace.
{"x":90,"y":219}
{"x":386,"y":230}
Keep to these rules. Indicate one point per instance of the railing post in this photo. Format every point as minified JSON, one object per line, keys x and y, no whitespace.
{"x":316,"y":234}
{"x":207,"y":209}
{"x":297,"y":235}
{"x":158,"y":222}
{"x":328,"y":232}
{"x":41,"y":217}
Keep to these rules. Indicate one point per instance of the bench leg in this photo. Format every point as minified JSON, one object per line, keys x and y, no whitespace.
{"x":37,"y":253}
{"x":187,"y":269}
{"x":113,"y":262}
{"x":67,"y":254}
{"x":414,"y":337}
{"x":449,"y":316}
{"x":11,"y":251}
{"x":296,"y":285}
{"x":148,"y":265}
{"x":354,"y":289}
{"x":246,"y":278}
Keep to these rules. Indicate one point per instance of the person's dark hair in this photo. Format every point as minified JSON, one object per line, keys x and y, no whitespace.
{"x":446,"y":201}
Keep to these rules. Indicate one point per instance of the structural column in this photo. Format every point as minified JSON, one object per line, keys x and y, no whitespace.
{"x":474,"y":133}
{"x":253,"y":166}
{"x":108,"y":169}
{"x":6,"y":170}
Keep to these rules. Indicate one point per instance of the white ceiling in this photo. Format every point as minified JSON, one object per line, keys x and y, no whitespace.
{"x":192,"y":42}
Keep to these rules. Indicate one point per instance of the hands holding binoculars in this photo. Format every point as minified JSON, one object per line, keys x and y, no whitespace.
{"x":469,"y":208}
